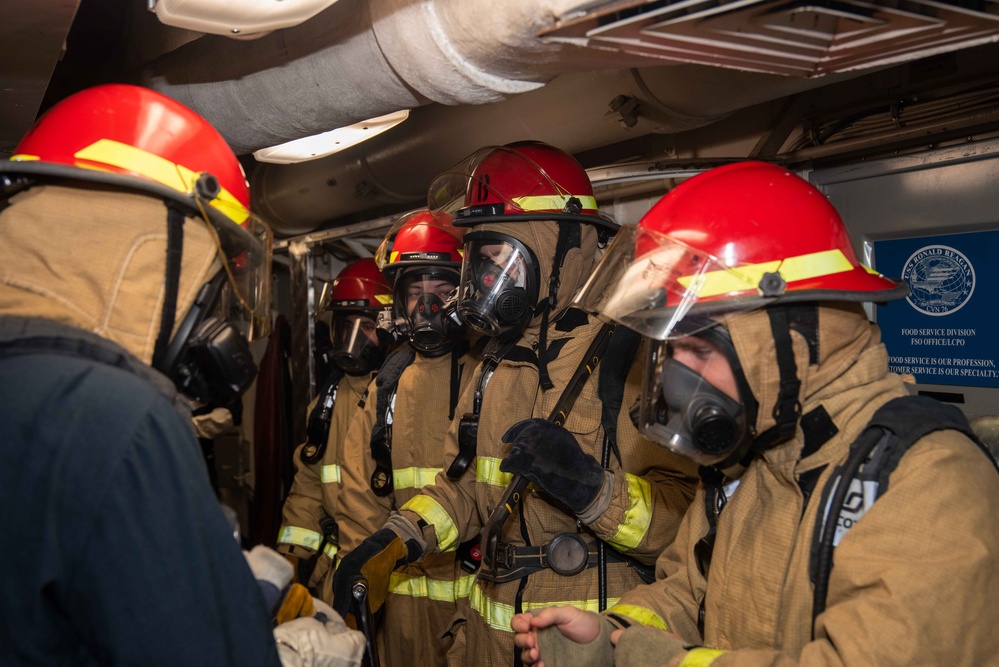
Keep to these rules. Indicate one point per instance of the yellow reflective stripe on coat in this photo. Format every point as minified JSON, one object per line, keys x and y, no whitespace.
{"x":414,"y":478}
{"x":638,"y":516}
{"x":331,"y":550}
{"x":432,"y":512}
{"x":499,"y":615}
{"x":701,"y":657}
{"x":417,"y":586}
{"x":161,"y":170}
{"x":487,"y":471}
{"x":303,"y":537}
{"x":742,"y":278}
{"x":553,"y":202}
{"x":330,"y":474}
{"x":639,"y":615}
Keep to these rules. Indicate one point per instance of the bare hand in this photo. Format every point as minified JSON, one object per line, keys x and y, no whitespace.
{"x":574,"y":623}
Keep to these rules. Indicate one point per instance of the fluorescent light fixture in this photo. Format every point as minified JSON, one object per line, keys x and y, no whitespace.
{"x":327,"y":143}
{"x":236,"y":18}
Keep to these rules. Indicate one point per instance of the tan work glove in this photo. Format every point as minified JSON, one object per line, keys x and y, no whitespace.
{"x":320,"y":641}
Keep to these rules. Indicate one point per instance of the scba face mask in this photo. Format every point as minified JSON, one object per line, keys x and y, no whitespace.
{"x":499,"y":284}
{"x":419,"y":303}
{"x":360,"y":343}
{"x":688,"y":415}
{"x":209,"y":359}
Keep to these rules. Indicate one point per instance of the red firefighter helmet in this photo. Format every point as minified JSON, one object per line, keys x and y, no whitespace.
{"x":419,"y":239}
{"x":137,"y":139}
{"x":360,"y":287}
{"x":527,"y":180}
{"x":737,"y":237}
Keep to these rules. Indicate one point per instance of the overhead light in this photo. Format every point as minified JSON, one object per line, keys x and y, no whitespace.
{"x":236,"y":18}
{"x":327,"y":143}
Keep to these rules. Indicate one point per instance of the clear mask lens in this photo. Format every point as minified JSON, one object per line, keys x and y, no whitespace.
{"x":357,"y":344}
{"x":498,"y":289}
{"x":420,"y":299}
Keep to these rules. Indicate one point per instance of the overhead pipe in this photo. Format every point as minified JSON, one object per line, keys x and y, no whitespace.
{"x":360,"y":59}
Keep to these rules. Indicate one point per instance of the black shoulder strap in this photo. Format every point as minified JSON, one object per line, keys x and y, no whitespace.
{"x":894,"y":428}
{"x":317,"y":429}
{"x":381,"y":433}
{"x":617,"y":362}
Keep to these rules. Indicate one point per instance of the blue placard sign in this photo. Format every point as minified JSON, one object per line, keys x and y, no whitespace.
{"x":945,"y":332}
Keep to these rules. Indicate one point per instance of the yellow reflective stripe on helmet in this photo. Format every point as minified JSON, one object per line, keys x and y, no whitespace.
{"x":742,"y":278}
{"x":161,"y":170}
{"x":499,"y":615}
{"x":384,"y":299}
{"x":487,"y":471}
{"x":414,"y":478}
{"x":637,"y":517}
{"x":701,"y":657}
{"x":553,"y":202}
{"x":330,"y":474}
{"x":22,"y":157}
{"x":416,"y":586}
{"x":302,"y":537}
{"x":331,"y":550}
{"x":639,"y":615}
{"x":432,"y":512}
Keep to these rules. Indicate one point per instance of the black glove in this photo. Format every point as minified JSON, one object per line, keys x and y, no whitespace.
{"x":373,"y":560}
{"x":549,"y":456}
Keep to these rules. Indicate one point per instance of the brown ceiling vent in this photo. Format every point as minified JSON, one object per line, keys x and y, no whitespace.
{"x":805,"y":39}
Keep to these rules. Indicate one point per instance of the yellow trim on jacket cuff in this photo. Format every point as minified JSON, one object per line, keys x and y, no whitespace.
{"x":432,"y":512}
{"x":330,"y":474}
{"x":639,"y":615}
{"x":302,"y":537}
{"x":421,"y":586}
{"x":701,"y":657}
{"x":414,"y":478}
{"x":487,"y":471}
{"x":499,"y":615}
{"x":638,"y":516}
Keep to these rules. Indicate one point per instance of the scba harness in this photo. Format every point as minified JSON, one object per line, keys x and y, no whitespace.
{"x":893,"y":429}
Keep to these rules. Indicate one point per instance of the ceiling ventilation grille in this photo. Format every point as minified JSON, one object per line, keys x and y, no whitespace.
{"x":797,"y":38}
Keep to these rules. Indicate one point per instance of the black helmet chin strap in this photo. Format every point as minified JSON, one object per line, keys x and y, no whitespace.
{"x":566,"y":239}
{"x":787,"y":410}
{"x":174,"y":253}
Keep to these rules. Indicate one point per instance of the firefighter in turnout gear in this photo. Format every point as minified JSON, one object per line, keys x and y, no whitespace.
{"x":603,"y":502}
{"x":359,"y":301}
{"x":764,"y":368}
{"x":396,"y":447}
{"x":132,"y":274}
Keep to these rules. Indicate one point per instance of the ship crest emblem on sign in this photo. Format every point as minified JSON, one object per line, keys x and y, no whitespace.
{"x":941,"y":280}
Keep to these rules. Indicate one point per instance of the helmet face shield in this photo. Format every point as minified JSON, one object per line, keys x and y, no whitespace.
{"x":420,"y":295}
{"x":499,"y":284}
{"x":650,"y":282}
{"x":245,"y":253}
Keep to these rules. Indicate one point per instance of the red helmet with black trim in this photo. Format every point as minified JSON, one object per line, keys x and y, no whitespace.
{"x":361,"y":287}
{"x":737,"y":237}
{"x":526,"y":180}
{"x":419,"y":239}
